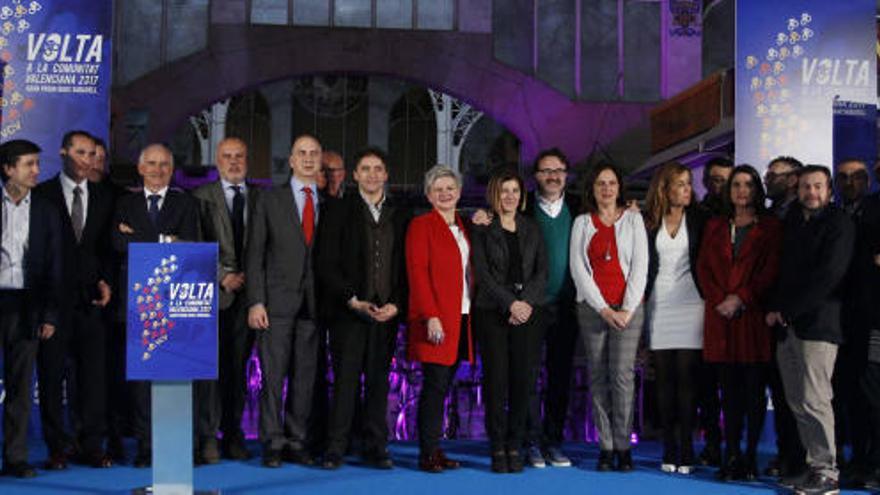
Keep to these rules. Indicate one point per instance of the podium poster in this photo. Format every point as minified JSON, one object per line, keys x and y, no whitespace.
{"x":793,"y":59}
{"x":172,"y":311}
{"x":55,"y":57}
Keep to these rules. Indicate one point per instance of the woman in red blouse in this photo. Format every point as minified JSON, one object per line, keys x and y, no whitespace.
{"x":738,"y":263}
{"x":438,"y":268}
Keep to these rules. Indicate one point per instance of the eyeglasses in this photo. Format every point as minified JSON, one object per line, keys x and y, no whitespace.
{"x":329,"y":171}
{"x":717,"y":179}
{"x":771,"y":176}
{"x":552,"y":171}
{"x":858,"y":175}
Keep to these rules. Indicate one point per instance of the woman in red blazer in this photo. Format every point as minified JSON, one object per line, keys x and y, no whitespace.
{"x":737,"y":265}
{"x":437,"y":262}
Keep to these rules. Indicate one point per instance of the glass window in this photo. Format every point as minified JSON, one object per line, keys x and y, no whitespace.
{"x":435,"y":14}
{"x":269,"y":12}
{"x":311,"y":12}
{"x":139,"y":47}
{"x":395,"y":14}
{"x":187,"y":28}
{"x":353,"y":13}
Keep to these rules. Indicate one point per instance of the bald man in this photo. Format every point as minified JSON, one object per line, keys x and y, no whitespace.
{"x":282,"y":304}
{"x":144,"y":216}
{"x":333,"y":170}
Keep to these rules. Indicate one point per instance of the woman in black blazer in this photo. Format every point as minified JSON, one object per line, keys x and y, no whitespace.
{"x":510,"y":267}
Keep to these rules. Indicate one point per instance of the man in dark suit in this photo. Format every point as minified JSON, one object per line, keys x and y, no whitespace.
{"x":361,"y":266}
{"x":282,"y":303}
{"x":30,"y":285}
{"x":156,"y":214}
{"x":225,"y":206}
{"x":85,"y":214}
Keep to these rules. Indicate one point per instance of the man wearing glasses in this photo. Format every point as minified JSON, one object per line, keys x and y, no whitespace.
{"x":716,"y":173}
{"x":781,"y":182}
{"x":333,"y":168}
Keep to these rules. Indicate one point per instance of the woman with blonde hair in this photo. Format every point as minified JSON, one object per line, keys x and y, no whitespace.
{"x":674,"y":308}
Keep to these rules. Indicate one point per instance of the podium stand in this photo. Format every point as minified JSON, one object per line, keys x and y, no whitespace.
{"x":172,"y":340}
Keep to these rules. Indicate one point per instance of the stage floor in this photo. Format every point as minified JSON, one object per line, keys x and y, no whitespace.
{"x":475,"y":477}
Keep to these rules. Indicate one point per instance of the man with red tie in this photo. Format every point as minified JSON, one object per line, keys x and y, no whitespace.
{"x":281,"y":301}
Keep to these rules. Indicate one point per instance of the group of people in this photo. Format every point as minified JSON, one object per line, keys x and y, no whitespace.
{"x":732,"y":297}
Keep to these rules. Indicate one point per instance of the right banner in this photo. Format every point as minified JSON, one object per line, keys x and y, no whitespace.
{"x":794,"y":58}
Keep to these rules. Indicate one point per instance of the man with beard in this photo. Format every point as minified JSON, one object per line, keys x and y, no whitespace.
{"x":805,"y":309}
{"x":716,"y":173}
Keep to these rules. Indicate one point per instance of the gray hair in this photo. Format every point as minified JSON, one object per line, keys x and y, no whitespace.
{"x":155,"y":145}
{"x":438,"y":172}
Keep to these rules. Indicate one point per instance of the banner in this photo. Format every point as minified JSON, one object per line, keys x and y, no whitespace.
{"x":172,"y":311}
{"x":55,"y":57}
{"x":793,"y":59}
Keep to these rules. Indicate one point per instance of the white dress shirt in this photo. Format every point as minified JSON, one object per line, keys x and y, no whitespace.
{"x":161,"y":192}
{"x":300,"y":197}
{"x":551,"y":208}
{"x":67,"y":186}
{"x":464,"y":249}
{"x":14,"y":243}
{"x":375,"y":209}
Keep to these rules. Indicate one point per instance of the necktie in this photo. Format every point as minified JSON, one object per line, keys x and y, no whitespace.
{"x":308,"y":216}
{"x":76,"y":213}
{"x":153,"y":210}
{"x":238,"y":222}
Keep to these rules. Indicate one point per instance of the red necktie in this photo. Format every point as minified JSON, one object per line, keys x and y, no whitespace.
{"x":308,"y":216}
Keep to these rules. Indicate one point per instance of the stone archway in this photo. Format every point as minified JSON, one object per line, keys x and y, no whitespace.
{"x":460,"y":64}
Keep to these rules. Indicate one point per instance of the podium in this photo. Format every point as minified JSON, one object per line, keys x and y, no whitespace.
{"x":171,"y":340}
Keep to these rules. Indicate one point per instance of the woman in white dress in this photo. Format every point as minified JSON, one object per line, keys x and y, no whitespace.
{"x":675,"y":309}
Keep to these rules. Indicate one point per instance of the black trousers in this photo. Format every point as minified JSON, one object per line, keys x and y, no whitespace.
{"x":288,"y":351}
{"x":360,"y":347}
{"x":436,"y":379}
{"x":510,"y":356}
{"x":709,"y":404}
{"x":870,"y":384}
{"x":559,"y":331}
{"x":79,"y":340}
{"x":19,"y":354}
{"x":219,"y":404}
{"x":851,"y":419}
{"x":677,"y":376}
{"x":791,"y":451}
{"x":743,"y":392}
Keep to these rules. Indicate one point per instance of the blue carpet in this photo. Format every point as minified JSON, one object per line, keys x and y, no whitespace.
{"x":475,"y":477}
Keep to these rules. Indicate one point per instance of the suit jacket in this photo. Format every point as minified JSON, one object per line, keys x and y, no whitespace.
{"x":817,"y":255}
{"x":341,"y":254}
{"x":433,"y":265}
{"x":279,"y":266}
{"x":491,"y":260}
{"x":696,"y":220}
{"x":42,"y":264}
{"x":86,"y":262}
{"x":179,"y":217}
{"x":744,"y":338}
{"x":216,"y":226}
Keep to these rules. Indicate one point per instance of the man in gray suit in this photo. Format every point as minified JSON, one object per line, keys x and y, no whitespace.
{"x":282,"y":303}
{"x":224,"y":207}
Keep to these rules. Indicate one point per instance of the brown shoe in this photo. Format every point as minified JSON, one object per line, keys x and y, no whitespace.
{"x":447,"y":462}
{"x":432,"y":463}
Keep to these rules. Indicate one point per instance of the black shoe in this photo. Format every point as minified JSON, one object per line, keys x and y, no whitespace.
{"x":379,"y":459}
{"x":209,"y":451}
{"x":749,"y":468}
{"x":624,"y":460}
{"x":794,"y":479}
{"x":143,"y":459}
{"x":115,"y":449}
{"x":19,"y":470}
{"x":514,"y":461}
{"x":732,"y":468}
{"x":606,"y":461}
{"x":710,"y":456}
{"x":818,"y":484}
{"x":271,"y":458}
{"x":499,"y":462}
{"x":57,"y":461}
{"x":774,"y":467}
{"x":297,"y":456}
{"x":332,"y":461}
{"x":235,"y":449}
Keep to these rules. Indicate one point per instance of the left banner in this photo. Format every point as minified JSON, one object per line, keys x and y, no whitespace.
{"x":56,"y":60}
